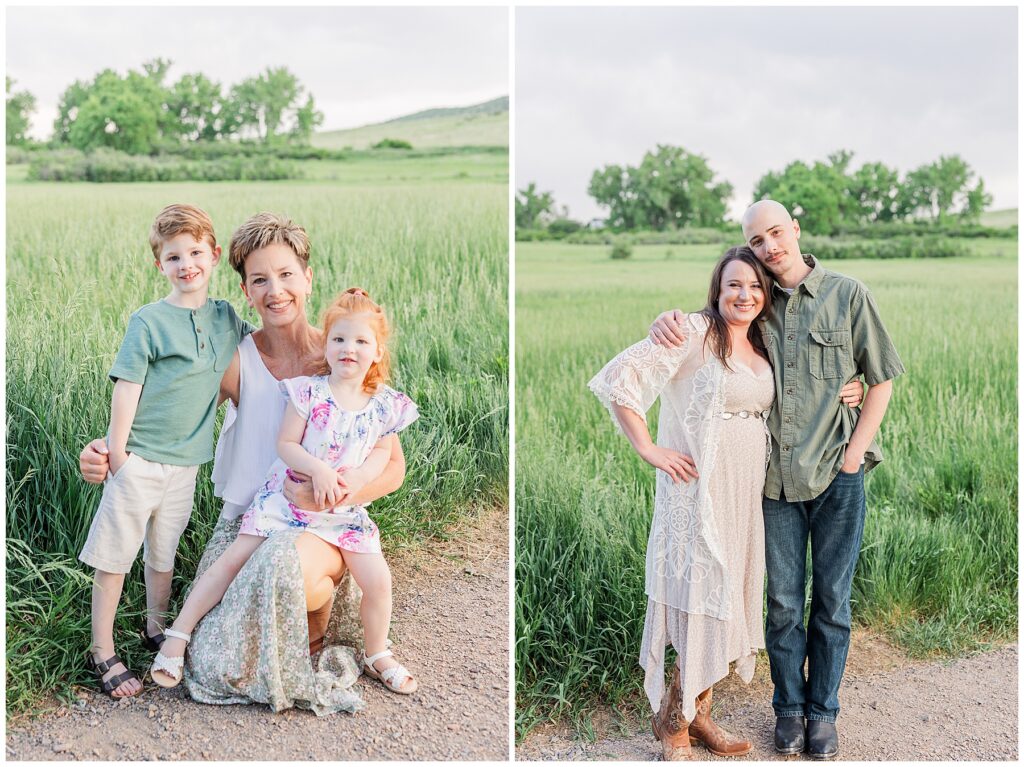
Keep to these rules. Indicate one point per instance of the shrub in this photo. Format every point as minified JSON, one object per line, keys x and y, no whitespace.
{"x":392,"y":143}
{"x":622,"y":249}
{"x":108,"y":165}
{"x":58,"y":165}
{"x":829,"y":248}
{"x":212,"y":150}
{"x":685,"y":236}
{"x":532,"y":235}
{"x":951,"y":228}
{"x":560,"y":228}
{"x":17,"y":155}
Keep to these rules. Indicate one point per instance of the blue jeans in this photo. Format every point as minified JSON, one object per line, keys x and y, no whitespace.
{"x":835,"y":523}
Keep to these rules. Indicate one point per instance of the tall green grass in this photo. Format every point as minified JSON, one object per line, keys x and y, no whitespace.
{"x":435,"y":254}
{"x":938,"y":569}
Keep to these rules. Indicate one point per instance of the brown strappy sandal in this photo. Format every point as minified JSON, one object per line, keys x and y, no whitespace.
{"x":108,"y":686}
{"x":151,"y":643}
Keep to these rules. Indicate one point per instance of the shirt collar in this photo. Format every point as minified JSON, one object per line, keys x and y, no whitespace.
{"x":812,"y":282}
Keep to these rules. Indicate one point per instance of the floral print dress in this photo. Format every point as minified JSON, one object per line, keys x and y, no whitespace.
{"x":340,"y":438}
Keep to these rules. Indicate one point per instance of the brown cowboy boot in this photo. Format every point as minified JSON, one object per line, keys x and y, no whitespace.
{"x":670,"y":726}
{"x":717,"y":740}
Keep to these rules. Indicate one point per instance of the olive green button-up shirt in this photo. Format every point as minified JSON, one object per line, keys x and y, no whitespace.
{"x":823,"y":335}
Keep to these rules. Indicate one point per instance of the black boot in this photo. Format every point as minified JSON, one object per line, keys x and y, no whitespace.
{"x":822,"y":739}
{"x":789,"y":734}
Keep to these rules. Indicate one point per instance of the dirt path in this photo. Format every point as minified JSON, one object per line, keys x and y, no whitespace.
{"x":450,"y":627}
{"x":892,"y":710}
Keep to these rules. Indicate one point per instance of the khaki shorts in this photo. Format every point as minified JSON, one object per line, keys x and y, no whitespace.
{"x":145,"y":504}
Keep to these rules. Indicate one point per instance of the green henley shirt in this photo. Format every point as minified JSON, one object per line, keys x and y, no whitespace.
{"x":179,"y":356}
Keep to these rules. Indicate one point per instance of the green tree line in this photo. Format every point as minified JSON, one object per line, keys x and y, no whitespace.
{"x":20,"y":106}
{"x":828,"y":196}
{"x":675,"y":189}
{"x":140,"y":112}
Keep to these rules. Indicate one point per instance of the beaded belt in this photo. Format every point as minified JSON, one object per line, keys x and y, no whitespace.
{"x":762,"y":414}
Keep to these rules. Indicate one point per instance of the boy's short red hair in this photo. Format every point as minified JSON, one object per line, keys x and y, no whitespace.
{"x":177,"y":219}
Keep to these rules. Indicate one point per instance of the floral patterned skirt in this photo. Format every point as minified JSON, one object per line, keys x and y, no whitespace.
{"x":254,"y":646}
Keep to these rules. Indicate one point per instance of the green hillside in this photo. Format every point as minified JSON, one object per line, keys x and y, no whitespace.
{"x":999,"y":218}
{"x":477,"y":125}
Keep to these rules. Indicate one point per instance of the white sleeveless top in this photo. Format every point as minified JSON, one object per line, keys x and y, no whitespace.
{"x":247,"y":446}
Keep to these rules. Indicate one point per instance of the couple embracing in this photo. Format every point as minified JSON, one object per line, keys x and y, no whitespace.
{"x":760,"y":448}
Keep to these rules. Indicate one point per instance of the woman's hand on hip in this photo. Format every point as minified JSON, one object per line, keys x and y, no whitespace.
{"x":93,"y":462}
{"x":675,"y":464}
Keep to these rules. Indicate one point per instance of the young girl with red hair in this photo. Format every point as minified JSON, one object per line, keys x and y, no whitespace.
{"x":336,"y":420}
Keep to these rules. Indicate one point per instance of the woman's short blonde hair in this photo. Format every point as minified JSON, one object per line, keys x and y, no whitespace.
{"x":265,"y":229}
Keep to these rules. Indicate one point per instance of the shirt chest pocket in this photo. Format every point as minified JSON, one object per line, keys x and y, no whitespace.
{"x":830,"y":353}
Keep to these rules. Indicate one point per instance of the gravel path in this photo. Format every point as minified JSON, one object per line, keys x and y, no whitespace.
{"x":450,"y":627}
{"x":892,"y":710}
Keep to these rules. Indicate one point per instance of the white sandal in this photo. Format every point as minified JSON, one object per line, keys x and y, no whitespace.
{"x":393,"y":678}
{"x":173,"y":667}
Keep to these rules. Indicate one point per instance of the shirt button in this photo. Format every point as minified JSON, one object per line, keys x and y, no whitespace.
{"x":194,"y":312}
{"x":202,"y":345}
{"x":790,"y":337}
{"x":786,"y":448}
{"x":789,"y":391}
{"x":789,"y":420}
{"x":789,"y":364}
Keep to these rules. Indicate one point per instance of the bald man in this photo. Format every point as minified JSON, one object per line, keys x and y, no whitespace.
{"x":824,"y":331}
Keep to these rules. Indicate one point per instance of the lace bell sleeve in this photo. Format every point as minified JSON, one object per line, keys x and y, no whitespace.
{"x":636,"y":377}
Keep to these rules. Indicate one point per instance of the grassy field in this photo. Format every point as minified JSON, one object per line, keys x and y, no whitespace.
{"x":433,"y":251}
{"x":938,"y":570}
{"x":443,"y":131}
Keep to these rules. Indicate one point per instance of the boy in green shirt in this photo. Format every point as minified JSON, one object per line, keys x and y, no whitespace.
{"x":167,"y":378}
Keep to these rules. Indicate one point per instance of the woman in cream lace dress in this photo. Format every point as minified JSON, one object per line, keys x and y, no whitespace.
{"x":705,"y":554}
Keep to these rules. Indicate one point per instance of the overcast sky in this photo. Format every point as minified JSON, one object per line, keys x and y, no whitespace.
{"x":363,"y":65}
{"x":753,"y":89}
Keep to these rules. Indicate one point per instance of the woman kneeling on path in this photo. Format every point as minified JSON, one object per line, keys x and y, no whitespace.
{"x":258,"y":645}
